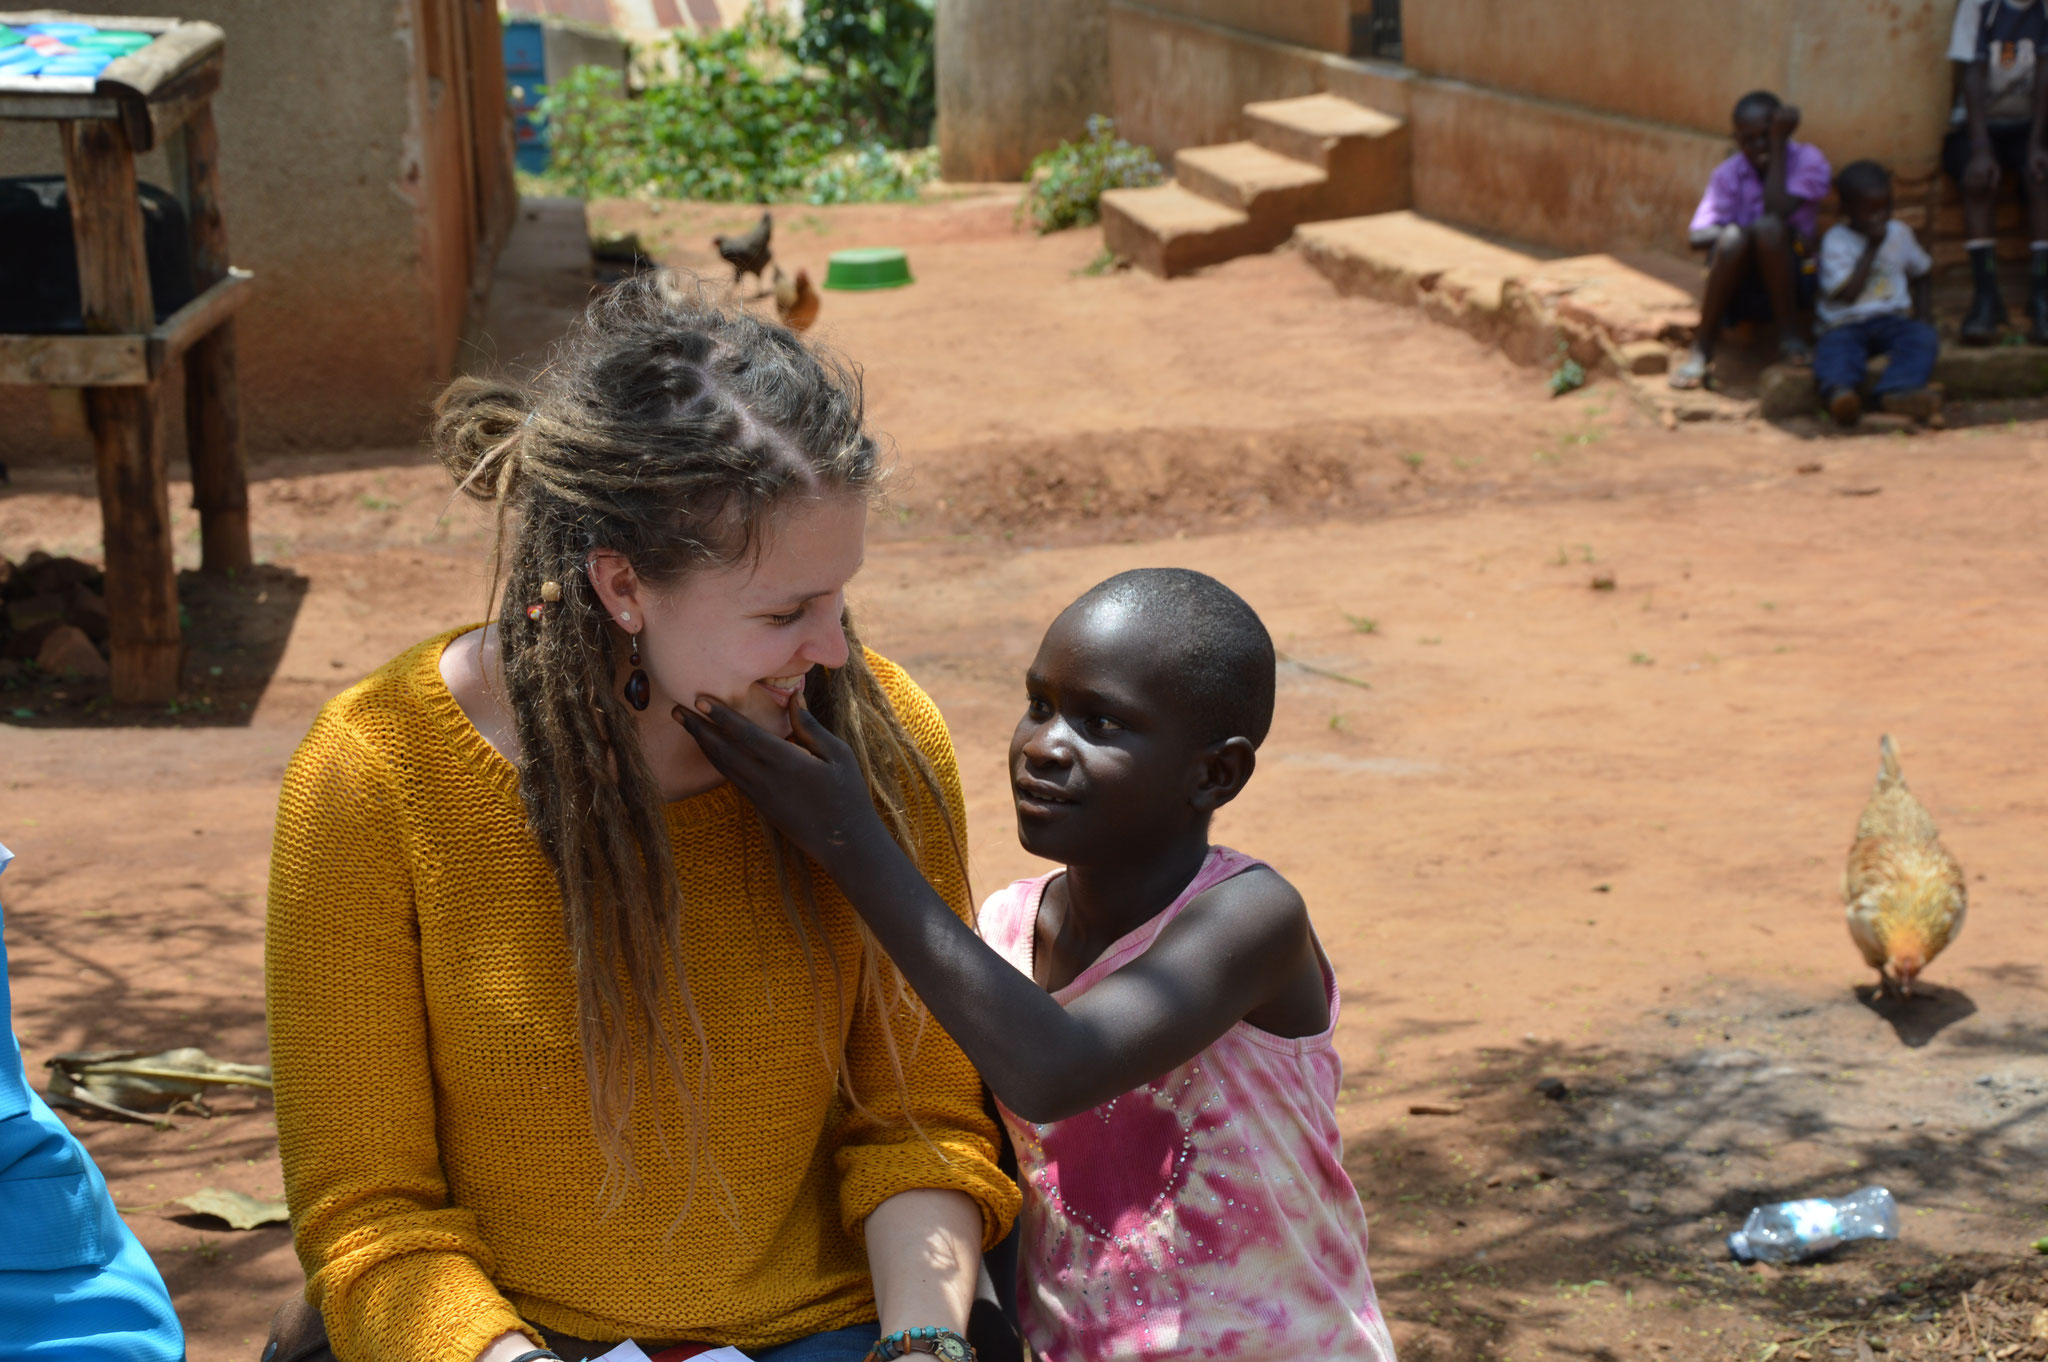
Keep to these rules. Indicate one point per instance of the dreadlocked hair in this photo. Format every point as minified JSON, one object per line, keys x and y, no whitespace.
{"x":668,"y":430}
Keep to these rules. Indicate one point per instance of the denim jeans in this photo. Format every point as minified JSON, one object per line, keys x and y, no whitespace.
{"x":1842,"y":355}
{"x":834,"y":1345}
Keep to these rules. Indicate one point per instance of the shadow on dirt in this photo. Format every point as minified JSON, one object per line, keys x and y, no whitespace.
{"x":1919,"y":1019}
{"x":235,"y":631}
{"x":1601,"y":1207}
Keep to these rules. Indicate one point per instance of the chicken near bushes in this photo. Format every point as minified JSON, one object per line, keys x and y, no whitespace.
{"x":750,"y":252}
{"x":796,"y":302}
{"x":1905,"y":892}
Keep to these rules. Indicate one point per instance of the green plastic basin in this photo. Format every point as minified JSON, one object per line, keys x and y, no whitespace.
{"x":869,"y":267}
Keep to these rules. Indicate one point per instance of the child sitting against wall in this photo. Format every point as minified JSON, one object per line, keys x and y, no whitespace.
{"x":1875,"y":299}
{"x":1757,"y":222}
{"x":1156,"y":1018}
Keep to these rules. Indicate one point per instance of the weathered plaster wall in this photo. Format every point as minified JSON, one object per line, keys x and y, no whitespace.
{"x":1554,"y":174}
{"x":1015,"y":80}
{"x":341,"y":197}
{"x":1321,"y":24}
{"x":1179,"y":81}
{"x":1869,"y":75}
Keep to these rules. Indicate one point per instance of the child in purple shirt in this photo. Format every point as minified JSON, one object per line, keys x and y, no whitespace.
{"x":1756,"y":222}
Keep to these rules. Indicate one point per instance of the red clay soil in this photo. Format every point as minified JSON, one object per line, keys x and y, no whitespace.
{"x":1546,"y":830}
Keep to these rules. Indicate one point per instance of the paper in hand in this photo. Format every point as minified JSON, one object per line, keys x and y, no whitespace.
{"x":629,"y":1351}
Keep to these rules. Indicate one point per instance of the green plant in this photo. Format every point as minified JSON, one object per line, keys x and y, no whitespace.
{"x":1364,"y":624}
{"x":871,"y":174}
{"x":1569,"y":375}
{"x":1067,"y":182}
{"x":877,"y":59}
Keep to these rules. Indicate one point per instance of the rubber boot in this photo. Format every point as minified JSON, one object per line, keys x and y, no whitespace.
{"x":1986,"y":316}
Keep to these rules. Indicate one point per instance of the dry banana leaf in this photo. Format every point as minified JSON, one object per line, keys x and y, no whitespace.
{"x":133,"y":1085}
{"x":240,"y":1210}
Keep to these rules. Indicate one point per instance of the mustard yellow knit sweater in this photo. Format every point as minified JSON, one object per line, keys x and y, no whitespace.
{"x":432,"y":1114}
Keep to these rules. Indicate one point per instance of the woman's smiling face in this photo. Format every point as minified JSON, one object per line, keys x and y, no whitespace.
{"x":749,"y":632}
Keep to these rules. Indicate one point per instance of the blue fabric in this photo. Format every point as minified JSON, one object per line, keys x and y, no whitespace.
{"x":75,"y":1283}
{"x":1842,"y":355}
{"x":835,"y":1345}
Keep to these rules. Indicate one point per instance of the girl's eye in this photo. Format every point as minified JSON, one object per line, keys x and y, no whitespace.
{"x":791,"y":618}
{"x":1102,"y":723}
{"x":1038,"y":709}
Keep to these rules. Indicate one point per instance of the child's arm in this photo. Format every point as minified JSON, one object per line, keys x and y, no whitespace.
{"x":1231,"y":950}
{"x":1858,"y":278}
{"x":1777,"y":199}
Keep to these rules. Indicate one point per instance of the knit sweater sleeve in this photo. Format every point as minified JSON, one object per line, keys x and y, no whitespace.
{"x":942,"y":1137}
{"x":396,"y":1271}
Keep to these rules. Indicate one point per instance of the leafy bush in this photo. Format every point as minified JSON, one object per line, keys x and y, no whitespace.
{"x":1067,"y":182}
{"x":872,"y":174}
{"x":759,"y":112}
{"x":877,"y":60}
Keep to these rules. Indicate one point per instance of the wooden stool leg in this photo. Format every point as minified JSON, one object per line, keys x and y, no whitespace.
{"x":135,"y":517}
{"x":113,"y":280}
{"x":213,"y":407}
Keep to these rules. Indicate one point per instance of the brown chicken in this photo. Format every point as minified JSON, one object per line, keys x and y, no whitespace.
{"x":747,"y":253}
{"x":1905,"y":892}
{"x":796,"y":302}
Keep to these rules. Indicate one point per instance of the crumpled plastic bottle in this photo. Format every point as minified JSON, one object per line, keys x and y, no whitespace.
{"x":1793,"y":1231}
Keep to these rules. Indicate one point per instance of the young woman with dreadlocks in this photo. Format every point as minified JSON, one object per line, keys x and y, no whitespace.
{"x":570,"y":1046}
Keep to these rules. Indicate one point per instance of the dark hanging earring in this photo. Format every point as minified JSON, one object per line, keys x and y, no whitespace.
{"x":637,"y":693}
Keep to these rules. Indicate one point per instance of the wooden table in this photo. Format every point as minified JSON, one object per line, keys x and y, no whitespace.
{"x":158,"y":94}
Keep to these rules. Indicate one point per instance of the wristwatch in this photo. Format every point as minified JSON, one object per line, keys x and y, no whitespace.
{"x":934,"y":1342}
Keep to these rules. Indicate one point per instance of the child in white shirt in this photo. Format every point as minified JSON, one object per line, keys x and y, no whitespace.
{"x":1875,"y":299}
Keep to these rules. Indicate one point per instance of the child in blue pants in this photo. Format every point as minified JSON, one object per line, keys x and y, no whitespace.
{"x":1875,"y":300}
{"x":75,"y":1286}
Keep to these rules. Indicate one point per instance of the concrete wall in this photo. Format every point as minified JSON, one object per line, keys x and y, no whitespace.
{"x":365,"y":168}
{"x":1179,"y":81}
{"x":1554,"y":174}
{"x":1015,"y":80}
{"x":1582,"y":127}
{"x":1869,"y":75}
{"x":1321,"y":24}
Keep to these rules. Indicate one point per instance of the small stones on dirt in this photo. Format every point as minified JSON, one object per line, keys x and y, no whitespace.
{"x":1603,"y":580}
{"x":1810,"y":468}
{"x":1554,"y":1088}
{"x":1436,"y":1108}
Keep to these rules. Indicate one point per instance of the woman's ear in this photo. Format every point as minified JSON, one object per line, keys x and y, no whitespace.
{"x":1222,"y":771}
{"x":618,"y":587}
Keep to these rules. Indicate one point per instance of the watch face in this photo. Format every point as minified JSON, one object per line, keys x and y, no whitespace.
{"x":952,"y":1349}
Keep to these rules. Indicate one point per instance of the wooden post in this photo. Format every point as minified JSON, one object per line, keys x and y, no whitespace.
{"x":135,"y":520}
{"x":213,"y":405}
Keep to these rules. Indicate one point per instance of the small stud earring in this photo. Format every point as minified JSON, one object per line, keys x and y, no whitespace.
{"x":625,"y":616}
{"x":637,"y":690}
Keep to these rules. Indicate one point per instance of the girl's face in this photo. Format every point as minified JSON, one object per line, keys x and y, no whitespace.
{"x":749,"y":633}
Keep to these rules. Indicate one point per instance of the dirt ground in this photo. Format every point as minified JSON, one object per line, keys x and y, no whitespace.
{"x":1547,"y":831}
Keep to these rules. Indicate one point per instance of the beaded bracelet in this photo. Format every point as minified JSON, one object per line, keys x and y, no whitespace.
{"x":936,"y":1342}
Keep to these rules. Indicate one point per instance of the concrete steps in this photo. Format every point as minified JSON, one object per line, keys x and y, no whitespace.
{"x":1307,"y":159}
{"x":1605,"y":312}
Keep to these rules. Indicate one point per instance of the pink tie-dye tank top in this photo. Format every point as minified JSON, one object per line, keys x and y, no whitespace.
{"x":1206,"y":1214}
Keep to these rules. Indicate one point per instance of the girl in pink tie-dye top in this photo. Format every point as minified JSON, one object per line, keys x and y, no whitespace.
{"x":1155,"y":1019}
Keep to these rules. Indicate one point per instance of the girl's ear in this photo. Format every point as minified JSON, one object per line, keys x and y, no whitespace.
{"x":1221,"y":772}
{"x":618,"y":587}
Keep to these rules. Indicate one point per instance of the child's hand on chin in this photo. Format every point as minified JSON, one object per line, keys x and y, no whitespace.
{"x":809,"y":785}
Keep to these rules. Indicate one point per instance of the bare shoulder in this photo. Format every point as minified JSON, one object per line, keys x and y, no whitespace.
{"x":469,"y":668}
{"x":1255,"y":907}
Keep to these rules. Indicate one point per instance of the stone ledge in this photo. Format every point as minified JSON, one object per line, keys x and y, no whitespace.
{"x":1602,"y":311}
{"x":1970,"y":374}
